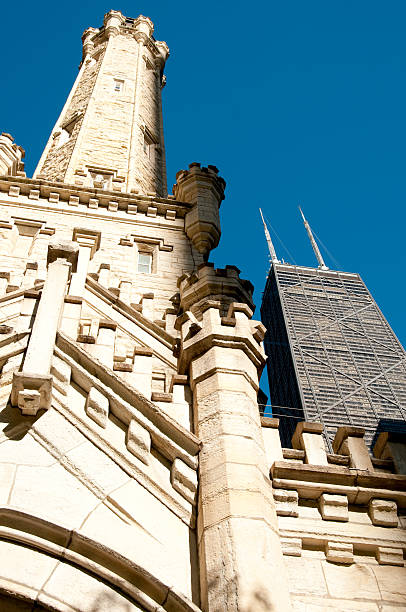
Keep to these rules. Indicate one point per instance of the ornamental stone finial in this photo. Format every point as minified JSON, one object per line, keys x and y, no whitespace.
{"x":144,"y":25}
{"x":112,"y":22}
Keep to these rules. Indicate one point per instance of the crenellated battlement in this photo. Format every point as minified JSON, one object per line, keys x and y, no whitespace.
{"x":347,"y":505}
{"x":114,"y":24}
{"x":219,"y":285}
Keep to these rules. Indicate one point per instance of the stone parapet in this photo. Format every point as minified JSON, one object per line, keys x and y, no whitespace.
{"x":340,"y":517}
{"x":218,"y":288}
{"x":60,"y":194}
{"x":337,"y":507}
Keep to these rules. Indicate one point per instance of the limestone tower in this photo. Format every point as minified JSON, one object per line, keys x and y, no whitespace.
{"x":133,"y":470}
{"x":110,"y":130}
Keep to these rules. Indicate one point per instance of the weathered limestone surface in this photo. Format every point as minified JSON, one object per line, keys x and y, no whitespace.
{"x":119,"y":88}
{"x":135,"y":471}
{"x":237,"y":528}
{"x":11,"y":155}
{"x":344,"y":544}
{"x":51,"y":471}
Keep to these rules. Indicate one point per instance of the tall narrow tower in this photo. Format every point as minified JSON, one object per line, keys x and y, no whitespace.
{"x":109,"y":133}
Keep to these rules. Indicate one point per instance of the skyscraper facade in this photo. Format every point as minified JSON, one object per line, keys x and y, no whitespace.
{"x":333,"y":357}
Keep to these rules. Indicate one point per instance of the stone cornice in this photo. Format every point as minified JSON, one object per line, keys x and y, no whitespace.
{"x":203,"y":342}
{"x":338,"y":475}
{"x":126,"y":202}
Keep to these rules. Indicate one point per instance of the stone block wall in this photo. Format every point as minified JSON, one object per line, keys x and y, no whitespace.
{"x":127,"y":225}
{"x":58,"y":156}
{"x":342,"y":520}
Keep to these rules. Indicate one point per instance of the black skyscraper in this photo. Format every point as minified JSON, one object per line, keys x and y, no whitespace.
{"x":332,"y":356}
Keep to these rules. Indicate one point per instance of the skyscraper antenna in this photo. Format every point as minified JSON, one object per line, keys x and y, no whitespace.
{"x":272,"y":252}
{"x":316,"y":249}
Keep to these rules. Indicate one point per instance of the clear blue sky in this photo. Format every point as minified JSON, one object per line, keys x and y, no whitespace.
{"x":294,"y":102}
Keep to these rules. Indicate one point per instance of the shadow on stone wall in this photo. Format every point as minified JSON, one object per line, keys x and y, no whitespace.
{"x":391,"y":425}
{"x":257,"y":602}
{"x":109,"y":601}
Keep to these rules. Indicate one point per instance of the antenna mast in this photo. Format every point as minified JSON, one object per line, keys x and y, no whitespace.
{"x":316,"y":249}
{"x":271,"y":247}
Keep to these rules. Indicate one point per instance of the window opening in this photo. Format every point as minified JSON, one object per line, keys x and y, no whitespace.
{"x":145,"y":263}
{"x":66,"y":130}
{"x":148,"y":144}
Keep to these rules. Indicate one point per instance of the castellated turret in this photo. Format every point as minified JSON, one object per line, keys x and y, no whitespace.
{"x":110,"y":130}
{"x":203,"y":188}
{"x":11,"y":156}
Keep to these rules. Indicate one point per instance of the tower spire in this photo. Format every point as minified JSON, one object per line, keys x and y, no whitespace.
{"x":316,"y":249}
{"x":271,"y":247}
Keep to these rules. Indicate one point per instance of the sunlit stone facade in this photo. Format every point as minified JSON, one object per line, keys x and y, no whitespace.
{"x":136,"y":473}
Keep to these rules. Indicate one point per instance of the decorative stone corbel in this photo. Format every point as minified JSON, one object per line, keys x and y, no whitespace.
{"x":138,"y":441}
{"x":333,"y":507}
{"x":97,"y":407}
{"x":383,"y":512}
{"x":286,"y":502}
{"x":184,"y":480}
{"x":339,"y":552}
{"x":389,"y":556}
{"x":292,"y":547}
